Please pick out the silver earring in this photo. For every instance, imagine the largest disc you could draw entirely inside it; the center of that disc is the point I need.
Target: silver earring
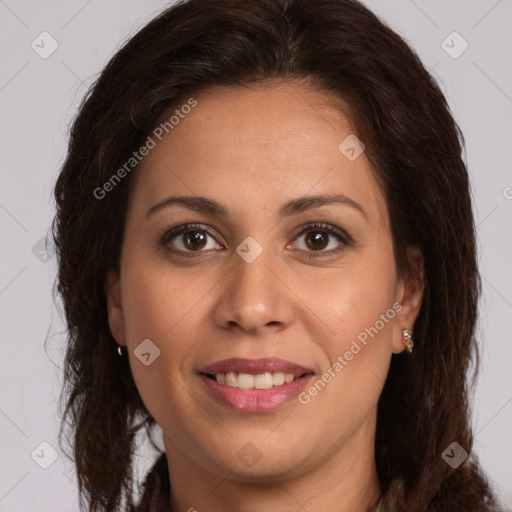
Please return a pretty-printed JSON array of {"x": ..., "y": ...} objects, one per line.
[
  {"x": 407, "y": 340},
  {"x": 119, "y": 351}
]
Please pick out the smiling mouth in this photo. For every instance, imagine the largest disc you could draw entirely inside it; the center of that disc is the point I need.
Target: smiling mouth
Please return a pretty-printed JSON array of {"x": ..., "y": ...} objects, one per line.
[
  {"x": 255, "y": 385},
  {"x": 265, "y": 380}
]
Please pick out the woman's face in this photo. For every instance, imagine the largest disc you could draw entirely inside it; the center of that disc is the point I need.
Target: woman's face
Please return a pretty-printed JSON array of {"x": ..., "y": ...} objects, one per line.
[{"x": 288, "y": 268}]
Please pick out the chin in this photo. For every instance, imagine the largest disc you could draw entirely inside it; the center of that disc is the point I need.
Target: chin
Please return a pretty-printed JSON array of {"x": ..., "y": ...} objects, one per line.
[{"x": 250, "y": 464}]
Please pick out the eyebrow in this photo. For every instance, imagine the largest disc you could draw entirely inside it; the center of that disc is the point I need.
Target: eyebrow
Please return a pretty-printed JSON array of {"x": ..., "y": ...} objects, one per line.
[{"x": 293, "y": 207}]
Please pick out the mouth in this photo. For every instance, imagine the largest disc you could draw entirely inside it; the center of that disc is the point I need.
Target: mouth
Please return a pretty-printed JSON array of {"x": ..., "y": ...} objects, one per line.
[
  {"x": 265, "y": 380},
  {"x": 255, "y": 385}
]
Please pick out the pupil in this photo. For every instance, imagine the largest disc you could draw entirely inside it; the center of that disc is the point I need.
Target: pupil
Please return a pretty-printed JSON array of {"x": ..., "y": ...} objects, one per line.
[
  {"x": 195, "y": 240},
  {"x": 319, "y": 241}
]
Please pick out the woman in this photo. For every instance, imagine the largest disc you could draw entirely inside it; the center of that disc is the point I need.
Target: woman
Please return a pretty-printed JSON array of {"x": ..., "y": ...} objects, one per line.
[{"x": 266, "y": 248}]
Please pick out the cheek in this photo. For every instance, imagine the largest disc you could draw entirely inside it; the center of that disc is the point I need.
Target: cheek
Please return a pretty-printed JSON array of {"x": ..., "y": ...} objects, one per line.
[
  {"x": 159, "y": 306},
  {"x": 159, "y": 303},
  {"x": 154, "y": 310},
  {"x": 358, "y": 345},
  {"x": 358, "y": 349},
  {"x": 360, "y": 306}
]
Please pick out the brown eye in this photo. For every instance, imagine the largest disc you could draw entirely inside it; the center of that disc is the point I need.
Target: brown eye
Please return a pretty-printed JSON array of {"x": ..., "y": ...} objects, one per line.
[
  {"x": 193, "y": 239},
  {"x": 189, "y": 238},
  {"x": 322, "y": 239},
  {"x": 317, "y": 241}
]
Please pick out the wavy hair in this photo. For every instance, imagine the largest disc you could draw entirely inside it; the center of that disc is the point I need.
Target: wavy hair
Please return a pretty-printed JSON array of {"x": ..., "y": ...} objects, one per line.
[{"x": 415, "y": 148}]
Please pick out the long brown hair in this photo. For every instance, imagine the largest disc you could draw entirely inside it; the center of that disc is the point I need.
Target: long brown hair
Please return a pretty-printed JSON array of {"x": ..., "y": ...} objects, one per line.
[{"x": 415, "y": 147}]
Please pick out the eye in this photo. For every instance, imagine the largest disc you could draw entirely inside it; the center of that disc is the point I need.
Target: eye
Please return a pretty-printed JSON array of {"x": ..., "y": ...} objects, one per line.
[
  {"x": 322, "y": 238},
  {"x": 189, "y": 238}
]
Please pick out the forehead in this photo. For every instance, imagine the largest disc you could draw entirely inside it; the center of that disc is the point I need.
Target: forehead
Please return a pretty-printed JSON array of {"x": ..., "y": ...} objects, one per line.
[{"x": 260, "y": 145}]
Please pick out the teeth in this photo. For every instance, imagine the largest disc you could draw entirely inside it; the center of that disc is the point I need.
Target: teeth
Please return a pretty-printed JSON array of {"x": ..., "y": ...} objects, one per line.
[
  {"x": 260, "y": 381},
  {"x": 231, "y": 380},
  {"x": 245, "y": 381},
  {"x": 278, "y": 378},
  {"x": 263, "y": 381}
]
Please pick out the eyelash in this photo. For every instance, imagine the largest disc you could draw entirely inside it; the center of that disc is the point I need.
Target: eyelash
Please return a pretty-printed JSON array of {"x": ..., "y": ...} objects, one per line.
[{"x": 167, "y": 235}]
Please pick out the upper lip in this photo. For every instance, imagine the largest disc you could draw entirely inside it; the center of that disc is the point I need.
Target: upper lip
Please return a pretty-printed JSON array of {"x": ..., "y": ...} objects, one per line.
[{"x": 255, "y": 366}]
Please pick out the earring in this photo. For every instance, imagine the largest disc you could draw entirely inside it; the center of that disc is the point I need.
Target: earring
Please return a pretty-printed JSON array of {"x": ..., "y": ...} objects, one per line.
[
  {"x": 119, "y": 351},
  {"x": 407, "y": 340}
]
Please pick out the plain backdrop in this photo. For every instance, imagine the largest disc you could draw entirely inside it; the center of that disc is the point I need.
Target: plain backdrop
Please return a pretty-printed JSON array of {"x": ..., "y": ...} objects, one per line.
[{"x": 39, "y": 97}]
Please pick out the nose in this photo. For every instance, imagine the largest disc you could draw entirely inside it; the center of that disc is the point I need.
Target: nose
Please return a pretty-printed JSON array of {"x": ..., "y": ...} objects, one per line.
[{"x": 254, "y": 297}]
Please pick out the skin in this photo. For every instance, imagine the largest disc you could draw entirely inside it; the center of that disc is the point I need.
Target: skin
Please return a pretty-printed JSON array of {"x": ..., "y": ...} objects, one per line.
[{"x": 252, "y": 150}]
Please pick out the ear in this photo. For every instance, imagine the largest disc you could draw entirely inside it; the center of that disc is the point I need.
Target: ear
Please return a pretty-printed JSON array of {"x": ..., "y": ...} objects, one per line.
[
  {"x": 409, "y": 295},
  {"x": 114, "y": 307}
]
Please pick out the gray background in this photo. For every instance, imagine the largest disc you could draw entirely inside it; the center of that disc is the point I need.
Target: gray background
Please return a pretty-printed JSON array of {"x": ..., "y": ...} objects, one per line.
[{"x": 38, "y": 98}]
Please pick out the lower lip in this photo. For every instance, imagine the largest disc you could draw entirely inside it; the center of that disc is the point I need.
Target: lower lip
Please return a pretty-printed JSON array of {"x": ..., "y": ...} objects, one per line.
[{"x": 256, "y": 400}]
